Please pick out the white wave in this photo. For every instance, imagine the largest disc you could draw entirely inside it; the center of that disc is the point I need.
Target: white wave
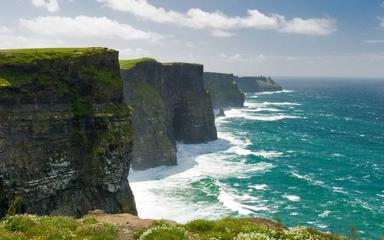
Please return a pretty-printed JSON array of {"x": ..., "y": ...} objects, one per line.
[
  {"x": 339, "y": 190},
  {"x": 324, "y": 214},
  {"x": 246, "y": 152},
  {"x": 260, "y": 187},
  {"x": 292, "y": 198},
  {"x": 261, "y": 109},
  {"x": 274, "y": 92},
  {"x": 238, "y": 113},
  {"x": 157, "y": 191},
  {"x": 308, "y": 179},
  {"x": 233, "y": 202},
  {"x": 229, "y": 202},
  {"x": 268, "y": 154},
  {"x": 234, "y": 140},
  {"x": 280, "y": 104}
]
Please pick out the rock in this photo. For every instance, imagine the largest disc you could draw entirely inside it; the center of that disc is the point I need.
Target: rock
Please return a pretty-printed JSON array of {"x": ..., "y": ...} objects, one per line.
[
  {"x": 154, "y": 145},
  {"x": 65, "y": 134},
  {"x": 224, "y": 90},
  {"x": 221, "y": 113},
  {"x": 170, "y": 104},
  {"x": 257, "y": 84}
]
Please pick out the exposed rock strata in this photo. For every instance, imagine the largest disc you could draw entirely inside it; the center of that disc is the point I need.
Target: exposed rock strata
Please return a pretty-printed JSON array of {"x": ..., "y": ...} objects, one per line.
[
  {"x": 257, "y": 84},
  {"x": 65, "y": 133},
  {"x": 223, "y": 89},
  {"x": 170, "y": 104}
]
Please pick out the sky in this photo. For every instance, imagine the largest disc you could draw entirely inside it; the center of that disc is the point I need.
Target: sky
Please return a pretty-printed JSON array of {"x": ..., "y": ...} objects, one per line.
[{"x": 307, "y": 38}]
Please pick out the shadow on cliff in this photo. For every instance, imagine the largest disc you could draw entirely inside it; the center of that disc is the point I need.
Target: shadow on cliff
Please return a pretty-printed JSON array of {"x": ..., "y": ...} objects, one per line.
[{"x": 187, "y": 155}]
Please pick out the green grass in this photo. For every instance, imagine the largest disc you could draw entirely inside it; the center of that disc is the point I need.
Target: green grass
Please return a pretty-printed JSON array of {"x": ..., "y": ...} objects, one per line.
[
  {"x": 25, "y": 56},
  {"x": 128, "y": 64},
  {"x": 230, "y": 229},
  {"x": 4, "y": 83},
  {"x": 26, "y": 227}
]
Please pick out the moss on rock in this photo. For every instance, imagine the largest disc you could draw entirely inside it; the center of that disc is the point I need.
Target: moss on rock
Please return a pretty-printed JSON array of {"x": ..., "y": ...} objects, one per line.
[{"x": 130, "y": 63}]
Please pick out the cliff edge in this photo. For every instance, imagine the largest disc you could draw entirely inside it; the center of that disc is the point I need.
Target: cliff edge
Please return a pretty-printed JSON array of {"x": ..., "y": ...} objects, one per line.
[
  {"x": 257, "y": 84},
  {"x": 223, "y": 89},
  {"x": 170, "y": 104},
  {"x": 65, "y": 133}
]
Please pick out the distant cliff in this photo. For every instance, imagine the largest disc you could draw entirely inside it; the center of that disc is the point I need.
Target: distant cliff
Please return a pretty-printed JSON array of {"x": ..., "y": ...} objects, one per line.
[
  {"x": 65, "y": 133},
  {"x": 224, "y": 90},
  {"x": 257, "y": 84},
  {"x": 170, "y": 104}
]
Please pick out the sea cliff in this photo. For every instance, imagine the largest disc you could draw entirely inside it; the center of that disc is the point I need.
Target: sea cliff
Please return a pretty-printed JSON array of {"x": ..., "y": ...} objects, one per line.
[
  {"x": 65, "y": 134},
  {"x": 170, "y": 104},
  {"x": 257, "y": 84},
  {"x": 224, "y": 90}
]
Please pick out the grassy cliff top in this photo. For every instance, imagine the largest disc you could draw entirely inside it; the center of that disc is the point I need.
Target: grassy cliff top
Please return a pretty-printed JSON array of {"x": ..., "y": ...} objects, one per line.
[
  {"x": 130, "y": 63},
  {"x": 17, "y": 56},
  {"x": 181, "y": 63},
  {"x": 101, "y": 226}
]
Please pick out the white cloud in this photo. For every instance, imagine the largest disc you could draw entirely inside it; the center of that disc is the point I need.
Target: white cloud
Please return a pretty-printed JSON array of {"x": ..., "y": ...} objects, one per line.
[
  {"x": 50, "y": 5},
  {"x": 4, "y": 30},
  {"x": 218, "y": 21},
  {"x": 84, "y": 26},
  {"x": 11, "y": 40},
  {"x": 221, "y": 33},
  {"x": 133, "y": 53},
  {"x": 318, "y": 26},
  {"x": 382, "y": 22}
]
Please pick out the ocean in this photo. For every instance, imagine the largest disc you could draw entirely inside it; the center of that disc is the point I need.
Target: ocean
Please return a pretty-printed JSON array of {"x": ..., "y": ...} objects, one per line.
[{"x": 311, "y": 155}]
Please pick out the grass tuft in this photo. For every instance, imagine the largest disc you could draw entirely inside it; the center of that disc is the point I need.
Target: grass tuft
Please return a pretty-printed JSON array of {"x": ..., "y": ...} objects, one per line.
[{"x": 128, "y": 64}]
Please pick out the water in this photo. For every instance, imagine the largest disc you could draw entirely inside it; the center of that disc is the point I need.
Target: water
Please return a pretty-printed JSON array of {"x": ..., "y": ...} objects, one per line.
[{"x": 310, "y": 156}]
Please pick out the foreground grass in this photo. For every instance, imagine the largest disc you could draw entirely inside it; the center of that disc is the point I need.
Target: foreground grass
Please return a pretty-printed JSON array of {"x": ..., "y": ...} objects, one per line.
[
  {"x": 229, "y": 229},
  {"x": 23, "y": 227},
  {"x": 28, "y": 227}
]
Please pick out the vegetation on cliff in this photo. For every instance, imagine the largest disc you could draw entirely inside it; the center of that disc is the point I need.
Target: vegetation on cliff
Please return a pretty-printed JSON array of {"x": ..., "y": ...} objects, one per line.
[
  {"x": 29, "y": 227},
  {"x": 130, "y": 63},
  {"x": 27, "y": 56},
  {"x": 110, "y": 227},
  {"x": 65, "y": 133},
  {"x": 230, "y": 229}
]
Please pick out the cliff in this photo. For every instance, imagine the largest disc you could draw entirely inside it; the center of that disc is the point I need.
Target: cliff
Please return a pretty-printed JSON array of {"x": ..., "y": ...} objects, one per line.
[
  {"x": 65, "y": 133},
  {"x": 224, "y": 90},
  {"x": 170, "y": 104},
  {"x": 257, "y": 84}
]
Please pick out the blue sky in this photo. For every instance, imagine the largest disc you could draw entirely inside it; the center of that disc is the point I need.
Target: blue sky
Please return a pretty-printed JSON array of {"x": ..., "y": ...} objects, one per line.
[{"x": 337, "y": 38}]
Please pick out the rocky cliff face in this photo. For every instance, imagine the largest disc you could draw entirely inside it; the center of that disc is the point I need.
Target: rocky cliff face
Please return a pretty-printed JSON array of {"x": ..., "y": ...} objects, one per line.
[
  {"x": 65, "y": 133},
  {"x": 257, "y": 84},
  {"x": 224, "y": 90},
  {"x": 171, "y": 101}
]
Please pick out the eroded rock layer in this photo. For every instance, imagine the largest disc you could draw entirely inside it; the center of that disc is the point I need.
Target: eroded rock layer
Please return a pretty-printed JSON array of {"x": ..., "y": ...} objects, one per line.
[
  {"x": 257, "y": 84},
  {"x": 65, "y": 133},
  {"x": 170, "y": 104},
  {"x": 223, "y": 89}
]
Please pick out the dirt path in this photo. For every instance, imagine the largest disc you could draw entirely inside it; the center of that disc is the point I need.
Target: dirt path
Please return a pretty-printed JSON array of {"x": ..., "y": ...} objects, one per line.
[{"x": 129, "y": 223}]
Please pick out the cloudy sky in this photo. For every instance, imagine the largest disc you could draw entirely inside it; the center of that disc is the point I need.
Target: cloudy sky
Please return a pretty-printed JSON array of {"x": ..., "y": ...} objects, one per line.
[{"x": 341, "y": 38}]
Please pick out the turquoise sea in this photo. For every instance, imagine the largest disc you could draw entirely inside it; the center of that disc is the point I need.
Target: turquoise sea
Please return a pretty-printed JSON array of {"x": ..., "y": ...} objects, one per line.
[{"x": 310, "y": 155}]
